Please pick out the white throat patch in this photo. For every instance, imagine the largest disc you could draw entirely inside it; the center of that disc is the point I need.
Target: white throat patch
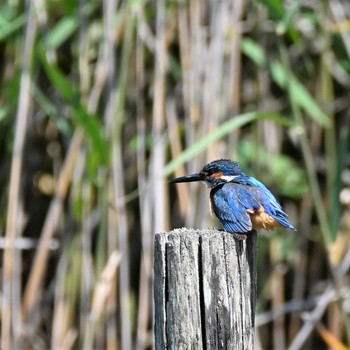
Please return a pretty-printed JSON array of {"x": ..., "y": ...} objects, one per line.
[{"x": 228, "y": 178}]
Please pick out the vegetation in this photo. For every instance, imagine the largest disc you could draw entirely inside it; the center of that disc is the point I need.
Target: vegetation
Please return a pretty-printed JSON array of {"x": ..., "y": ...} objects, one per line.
[{"x": 101, "y": 102}]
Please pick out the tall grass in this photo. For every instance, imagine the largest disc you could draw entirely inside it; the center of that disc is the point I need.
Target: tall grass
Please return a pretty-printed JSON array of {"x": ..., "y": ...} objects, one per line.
[{"x": 103, "y": 101}]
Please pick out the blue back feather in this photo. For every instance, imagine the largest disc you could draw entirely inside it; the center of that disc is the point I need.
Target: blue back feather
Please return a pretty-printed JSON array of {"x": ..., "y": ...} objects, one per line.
[{"x": 232, "y": 200}]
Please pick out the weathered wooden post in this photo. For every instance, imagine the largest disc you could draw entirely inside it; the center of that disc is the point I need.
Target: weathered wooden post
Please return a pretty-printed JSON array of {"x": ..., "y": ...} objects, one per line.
[{"x": 204, "y": 290}]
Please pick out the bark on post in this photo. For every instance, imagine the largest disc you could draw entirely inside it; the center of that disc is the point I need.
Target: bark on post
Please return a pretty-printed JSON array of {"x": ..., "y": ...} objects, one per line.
[{"x": 204, "y": 290}]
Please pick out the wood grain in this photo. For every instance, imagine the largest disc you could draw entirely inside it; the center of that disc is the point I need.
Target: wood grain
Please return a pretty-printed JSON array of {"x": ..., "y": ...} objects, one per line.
[{"x": 204, "y": 290}]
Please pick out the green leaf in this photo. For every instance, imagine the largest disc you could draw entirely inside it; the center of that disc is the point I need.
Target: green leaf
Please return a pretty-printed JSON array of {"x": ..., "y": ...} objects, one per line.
[
  {"x": 44, "y": 102},
  {"x": 286, "y": 21},
  {"x": 254, "y": 51},
  {"x": 66, "y": 88},
  {"x": 87, "y": 121},
  {"x": 221, "y": 131},
  {"x": 4, "y": 111},
  {"x": 300, "y": 94},
  {"x": 275, "y": 8},
  {"x": 61, "y": 32},
  {"x": 9, "y": 26},
  {"x": 286, "y": 80},
  {"x": 278, "y": 13},
  {"x": 94, "y": 130}
]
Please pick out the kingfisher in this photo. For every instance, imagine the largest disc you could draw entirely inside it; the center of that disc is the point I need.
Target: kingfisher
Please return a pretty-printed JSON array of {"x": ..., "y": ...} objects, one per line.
[{"x": 240, "y": 202}]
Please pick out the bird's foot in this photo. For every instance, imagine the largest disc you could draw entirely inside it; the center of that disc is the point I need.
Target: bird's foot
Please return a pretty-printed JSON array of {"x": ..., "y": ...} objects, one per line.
[{"x": 239, "y": 236}]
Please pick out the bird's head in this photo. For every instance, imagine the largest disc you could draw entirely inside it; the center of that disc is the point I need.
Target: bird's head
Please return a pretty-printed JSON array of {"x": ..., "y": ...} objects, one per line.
[{"x": 215, "y": 173}]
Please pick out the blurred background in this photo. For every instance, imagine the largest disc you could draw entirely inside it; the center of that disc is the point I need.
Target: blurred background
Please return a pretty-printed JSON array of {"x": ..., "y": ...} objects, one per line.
[{"x": 102, "y": 101}]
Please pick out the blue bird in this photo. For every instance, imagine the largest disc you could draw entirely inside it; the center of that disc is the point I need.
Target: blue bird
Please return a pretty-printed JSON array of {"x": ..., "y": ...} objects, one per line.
[{"x": 240, "y": 202}]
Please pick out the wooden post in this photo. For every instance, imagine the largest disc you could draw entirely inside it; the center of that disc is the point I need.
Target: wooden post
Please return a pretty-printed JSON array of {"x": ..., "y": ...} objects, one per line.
[{"x": 204, "y": 290}]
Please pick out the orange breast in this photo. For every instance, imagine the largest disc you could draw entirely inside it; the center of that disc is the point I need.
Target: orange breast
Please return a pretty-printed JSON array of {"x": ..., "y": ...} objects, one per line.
[{"x": 260, "y": 219}]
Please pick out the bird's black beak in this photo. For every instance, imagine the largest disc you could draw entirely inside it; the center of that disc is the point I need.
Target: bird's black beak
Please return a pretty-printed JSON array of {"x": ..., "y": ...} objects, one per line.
[{"x": 188, "y": 178}]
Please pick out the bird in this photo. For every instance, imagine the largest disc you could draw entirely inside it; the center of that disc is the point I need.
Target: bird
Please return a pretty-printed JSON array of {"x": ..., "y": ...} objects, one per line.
[{"x": 240, "y": 202}]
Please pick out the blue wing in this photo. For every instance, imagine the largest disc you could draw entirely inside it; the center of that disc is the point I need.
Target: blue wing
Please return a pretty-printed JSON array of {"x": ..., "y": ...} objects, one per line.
[
  {"x": 269, "y": 202},
  {"x": 230, "y": 203}
]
